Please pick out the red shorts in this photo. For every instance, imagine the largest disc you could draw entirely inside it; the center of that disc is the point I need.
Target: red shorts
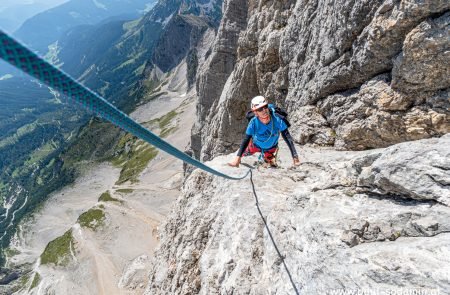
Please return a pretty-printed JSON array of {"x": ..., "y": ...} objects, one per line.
[{"x": 269, "y": 154}]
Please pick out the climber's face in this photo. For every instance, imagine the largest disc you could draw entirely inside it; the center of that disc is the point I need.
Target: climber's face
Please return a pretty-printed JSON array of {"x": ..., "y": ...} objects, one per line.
[{"x": 263, "y": 114}]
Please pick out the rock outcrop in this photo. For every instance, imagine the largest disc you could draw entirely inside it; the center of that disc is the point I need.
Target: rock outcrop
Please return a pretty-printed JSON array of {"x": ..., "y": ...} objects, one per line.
[
  {"x": 180, "y": 36},
  {"x": 370, "y": 220},
  {"x": 418, "y": 171},
  {"x": 213, "y": 76},
  {"x": 355, "y": 75}
]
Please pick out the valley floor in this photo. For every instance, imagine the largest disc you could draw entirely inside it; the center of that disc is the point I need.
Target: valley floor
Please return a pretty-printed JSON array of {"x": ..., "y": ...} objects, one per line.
[{"x": 112, "y": 258}]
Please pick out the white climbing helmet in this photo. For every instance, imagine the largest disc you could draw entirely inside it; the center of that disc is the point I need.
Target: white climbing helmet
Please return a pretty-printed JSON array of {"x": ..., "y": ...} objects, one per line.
[{"x": 258, "y": 102}]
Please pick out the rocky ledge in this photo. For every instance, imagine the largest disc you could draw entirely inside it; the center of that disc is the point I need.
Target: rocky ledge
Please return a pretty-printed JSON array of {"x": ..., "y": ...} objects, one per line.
[{"x": 376, "y": 219}]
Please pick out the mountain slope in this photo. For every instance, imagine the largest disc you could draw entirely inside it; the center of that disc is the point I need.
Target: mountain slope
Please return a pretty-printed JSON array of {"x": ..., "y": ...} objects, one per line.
[
  {"x": 12, "y": 17},
  {"x": 138, "y": 55},
  {"x": 112, "y": 210},
  {"x": 81, "y": 47},
  {"x": 355, "y": 76},
  {"x": 46, "y": 27}
]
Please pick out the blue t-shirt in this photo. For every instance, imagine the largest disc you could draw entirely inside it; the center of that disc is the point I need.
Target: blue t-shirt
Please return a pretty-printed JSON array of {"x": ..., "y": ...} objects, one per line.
[{"x": 266, "y": 136}]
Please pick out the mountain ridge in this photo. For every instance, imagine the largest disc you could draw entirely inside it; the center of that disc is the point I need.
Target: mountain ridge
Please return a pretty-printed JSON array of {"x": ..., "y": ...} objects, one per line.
[{"x": 45, "y": 28}]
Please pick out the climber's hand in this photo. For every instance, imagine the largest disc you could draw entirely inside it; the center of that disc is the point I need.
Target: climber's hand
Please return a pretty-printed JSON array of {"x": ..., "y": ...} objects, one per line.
[{"x": 235, "y": 162}]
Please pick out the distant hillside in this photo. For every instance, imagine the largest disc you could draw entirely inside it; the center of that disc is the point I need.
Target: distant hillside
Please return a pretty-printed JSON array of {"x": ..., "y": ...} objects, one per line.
[
  {"x": 12, "y": 17},
  {"x": 83, "y": 46},
  {"x": 46, "y": 27},
  {"x": 116, "y": 67}
]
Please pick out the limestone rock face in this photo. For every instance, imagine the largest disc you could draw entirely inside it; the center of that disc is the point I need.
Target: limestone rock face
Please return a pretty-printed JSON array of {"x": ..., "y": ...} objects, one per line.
[
  {"x": 356, "y": 75},
  {"x": 214, "y": 74},
  {"x": 412, "y": 170},
  {"x": 181, "y": 34},
  {"x": 238, "y": 62},
  {"x": 376, "y": 115},
  {"x": 424, "y": 64},
  {"x": 362, "y": 220}
]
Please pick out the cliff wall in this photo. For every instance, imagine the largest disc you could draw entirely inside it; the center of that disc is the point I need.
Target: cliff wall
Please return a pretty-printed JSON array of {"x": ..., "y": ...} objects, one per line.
[
  {"x": 361, "y": 76},
  {"x": 352, "y": 74}
]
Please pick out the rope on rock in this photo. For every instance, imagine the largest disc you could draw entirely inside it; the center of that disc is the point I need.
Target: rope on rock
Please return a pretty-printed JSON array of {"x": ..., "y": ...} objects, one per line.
[
  {"x": 271, "y": 237},
  {"x": 25, "y": 60}
]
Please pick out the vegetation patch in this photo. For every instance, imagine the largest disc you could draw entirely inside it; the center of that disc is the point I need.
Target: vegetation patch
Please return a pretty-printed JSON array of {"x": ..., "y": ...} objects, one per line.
[
  {"x": 58, "y": 251},
  {"x": 94, "y": 142},
  {"x": 10, "y": 252},
  {"x": 128, "y": 62},
  {"x": 106, "y": 197},
  {"x": 93, "y": 218},
  {"x": 165, "y": 132},
  {"x": 164, "y": 123},
  {"x": 153, "y": 96},
  {"x": 151, "y": 85},
  {"x": 130, "y": 25},
  {"x": 165, "y": 120},
  {"x": 123, "y": 149},
  {"x": 21, "y": 283},
  {"x": 125, "y": 190},
  {"x": 138, "y": 159},
  {"x": 26, "y": 129},
  {"x": 132, "y": 155},
  {"x": 36, "y": 281},
  {"x": 139, "y": 70},
  {"x": 41, "y": 153}
]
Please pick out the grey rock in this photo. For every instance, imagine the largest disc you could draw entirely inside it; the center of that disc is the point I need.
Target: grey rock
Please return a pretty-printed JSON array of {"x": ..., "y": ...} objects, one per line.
[
  {"x": 217, "y": 69},
  {"x": 326, "y": 59},
  {"x": 333, "y": 232},
  {"x": 355, "y": 75},
  {"x": 181, "y": 34},
  {"x": 350, "y": 238},
  {"x": 424, "y": 64},
  {"x": 311, "y": 126},
  {"x": 244, "y": 62},
  {"x": 375, "y": 115},
  {"x": 413, "y": 170}
]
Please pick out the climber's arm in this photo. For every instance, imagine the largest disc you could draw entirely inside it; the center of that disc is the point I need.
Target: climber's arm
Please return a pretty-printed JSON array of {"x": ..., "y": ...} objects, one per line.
[
  {"x": 290, "y": 143},
  {"x": 244, "y": 144}
]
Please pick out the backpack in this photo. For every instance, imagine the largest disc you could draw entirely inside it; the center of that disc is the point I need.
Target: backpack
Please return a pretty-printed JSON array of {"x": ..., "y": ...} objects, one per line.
[{"x": 273, "y": 110}]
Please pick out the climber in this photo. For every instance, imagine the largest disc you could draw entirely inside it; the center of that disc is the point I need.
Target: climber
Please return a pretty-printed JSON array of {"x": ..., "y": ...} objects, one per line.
[{"x": 262, "y": 134}]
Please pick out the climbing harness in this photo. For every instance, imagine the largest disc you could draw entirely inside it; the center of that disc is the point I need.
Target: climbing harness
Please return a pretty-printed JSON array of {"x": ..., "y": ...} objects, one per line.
[
  {"x": 22, "y": 58},
  {"x": 262, "y": 160}
]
